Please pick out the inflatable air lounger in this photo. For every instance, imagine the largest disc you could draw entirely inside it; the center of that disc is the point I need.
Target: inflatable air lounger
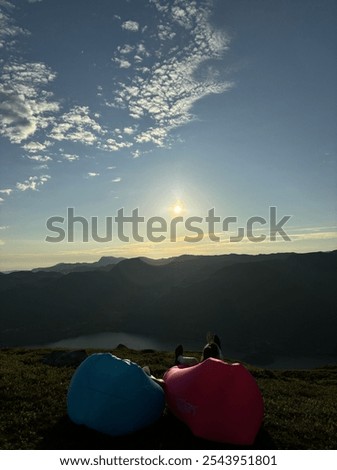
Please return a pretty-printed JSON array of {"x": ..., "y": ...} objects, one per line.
[
  {"x": 113, "y": 396},
  {"x": 218, "y": 401}
]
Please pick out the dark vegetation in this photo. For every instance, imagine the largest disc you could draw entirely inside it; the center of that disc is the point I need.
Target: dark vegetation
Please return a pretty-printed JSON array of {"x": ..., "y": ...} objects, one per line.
[
  {"x": 270, "y": 304},
  {"x": 300, "y": 408}
]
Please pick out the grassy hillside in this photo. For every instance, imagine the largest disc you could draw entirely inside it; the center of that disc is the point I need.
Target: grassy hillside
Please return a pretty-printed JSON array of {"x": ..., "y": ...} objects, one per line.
[{"x": 300, "y": 408}]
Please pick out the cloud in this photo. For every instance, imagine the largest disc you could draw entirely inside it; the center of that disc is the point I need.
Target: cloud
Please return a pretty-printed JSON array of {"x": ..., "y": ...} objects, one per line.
[
  {"x": 2, "y": 199},
  {"x": 130, "y": 25},
  {"x": 25, "y": 105},
  {"x": 44, "y": 166},
  {"x": 315, "y": 235},
  {"x": 77, "y": 126},
  {"x": 154, "y": 135},
  {"x": 168, "y": 71},
  {"x": 165, "y": 32},
  {"x": 128, "y": 130},
  {"x": 113, "y": 146},
  {"x": 4, "y": 227},
  {"x": 6, "y": 191},
  {"x": 92, "y": 174},
  {"x": 6, "y": 4},
  {"x": 70, "y": 157},
  {"x": 40, "y": 158},
  {"x": 33, "y": 183},
  {"x": 136, "y": 153},
  {"x": 161, "y": 8},
  {"x": 116, "y": 180},
  {"x": 122, "y": 63},
  {"x": 161, "y": 95},
  {"x": 8, "y": 30},
  {"x": 111, "y": 168},
  {"x": 37, "y": 146},
  {"x": 126, "y": 49}
]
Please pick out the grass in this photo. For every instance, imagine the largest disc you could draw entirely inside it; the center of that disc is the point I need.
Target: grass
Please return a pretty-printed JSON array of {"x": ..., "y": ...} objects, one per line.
[{"x": 300, "y": 408}]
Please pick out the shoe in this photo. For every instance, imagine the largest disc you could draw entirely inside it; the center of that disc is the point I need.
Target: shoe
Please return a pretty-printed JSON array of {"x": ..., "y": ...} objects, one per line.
[
  {"x": 179, "y": 351},
  {"x": 216, "y": 340}
]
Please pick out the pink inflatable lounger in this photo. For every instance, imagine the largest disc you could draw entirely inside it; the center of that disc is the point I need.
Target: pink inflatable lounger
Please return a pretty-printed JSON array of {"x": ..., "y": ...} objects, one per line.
[{"x": 218, "y": 401}]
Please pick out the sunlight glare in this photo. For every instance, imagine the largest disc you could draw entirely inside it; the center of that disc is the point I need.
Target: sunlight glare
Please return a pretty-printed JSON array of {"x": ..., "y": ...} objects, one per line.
[{"x": 178, "y": 208}]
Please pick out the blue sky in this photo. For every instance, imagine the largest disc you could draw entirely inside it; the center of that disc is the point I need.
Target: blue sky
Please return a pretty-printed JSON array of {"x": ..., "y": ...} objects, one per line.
[{"x": 141, "y": 104}]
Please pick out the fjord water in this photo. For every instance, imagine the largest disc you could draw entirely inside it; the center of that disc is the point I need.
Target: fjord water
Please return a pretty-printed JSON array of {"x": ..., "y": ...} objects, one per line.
[{"x": 110, "y": 340}]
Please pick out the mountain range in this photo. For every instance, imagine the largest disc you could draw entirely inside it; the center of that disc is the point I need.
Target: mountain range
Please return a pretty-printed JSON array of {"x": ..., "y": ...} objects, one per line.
[
  {"x": 282, "y": 303},
  {"x": 105, "y": 262}
]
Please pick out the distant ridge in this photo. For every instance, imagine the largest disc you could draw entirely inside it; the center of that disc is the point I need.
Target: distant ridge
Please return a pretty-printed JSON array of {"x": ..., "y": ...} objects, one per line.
[
  {"x": 264, "y": 305},
  {"x": 65, "y": 268}
]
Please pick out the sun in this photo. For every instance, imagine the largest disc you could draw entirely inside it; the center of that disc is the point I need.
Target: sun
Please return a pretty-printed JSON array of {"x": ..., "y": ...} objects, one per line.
[{"x": 178, "y": 208}]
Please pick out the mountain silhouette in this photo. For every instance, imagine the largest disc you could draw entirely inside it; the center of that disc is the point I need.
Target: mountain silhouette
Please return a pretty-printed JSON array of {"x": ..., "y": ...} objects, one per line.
[
  {"x": 105, "y": 262},
  {"x": 277, "y": 304}
]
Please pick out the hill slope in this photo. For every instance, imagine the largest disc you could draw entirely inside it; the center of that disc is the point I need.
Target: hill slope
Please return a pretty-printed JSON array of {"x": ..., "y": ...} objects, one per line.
[{"x": 300, "y": 408}]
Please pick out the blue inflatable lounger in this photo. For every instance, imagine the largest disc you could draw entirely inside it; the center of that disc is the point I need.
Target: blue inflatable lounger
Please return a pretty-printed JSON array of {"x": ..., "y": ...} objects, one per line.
[{"x": 113, "y": 396}]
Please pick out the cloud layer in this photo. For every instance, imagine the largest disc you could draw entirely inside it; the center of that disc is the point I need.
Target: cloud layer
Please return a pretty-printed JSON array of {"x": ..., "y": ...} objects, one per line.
[
  {"x": 164, "y": 91},
  {"x": 33, "y": 183},
  {"x": 78, "y": 126},
  {"x": 163, "y": 83},
  {"x": 25, "y": 105},
  {"x": 158, "y": 71}
]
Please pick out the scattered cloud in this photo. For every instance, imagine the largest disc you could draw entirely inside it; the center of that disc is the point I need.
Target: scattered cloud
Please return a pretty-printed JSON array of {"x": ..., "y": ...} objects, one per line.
[
  {"x": 161, "y": 8},
  {"x": 129, "y": 130},
  {"x": 111, "y": 168},
  {"x": 70, "y": 157},
  {"x": 113, "y": 146},
  {"x": 166, "y": 73},
  {"x": 25, "y": 105},
  {"x": 130, "y": 25},
  {"x": 33, "y": 183},
  {"x": 2, "y": 199},
  {"x": 77, "y": 126},
  {"x": 126, "y": 49},
  {"x": 6, "y": 4},
  {"x": 165, "y": 32},
  {"x": 4, "y": 227},
  {"x": 6, "y": 191},
  {"x": 116, "y": 180},
  {"x": 136, "y": 153},
  {"x": 122, "y": 63},
  {"x": 163, "y": 93},
  {"x": 37, "y": 146},
  {"x": 40, "y": 158},
  {"x": 44, "y": 166},
  {"x": 8, "y": 29}
]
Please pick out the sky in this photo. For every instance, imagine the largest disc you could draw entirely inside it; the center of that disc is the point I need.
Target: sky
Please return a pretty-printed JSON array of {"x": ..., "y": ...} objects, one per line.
[{"x": 171, "y": 108}]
